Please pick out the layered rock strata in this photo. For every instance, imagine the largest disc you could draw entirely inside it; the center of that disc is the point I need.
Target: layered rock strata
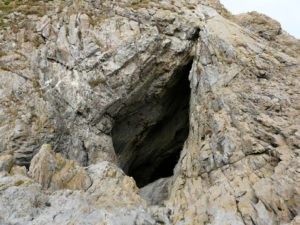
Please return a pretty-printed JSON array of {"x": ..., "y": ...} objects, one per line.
[{"x": 91, "y": 94}]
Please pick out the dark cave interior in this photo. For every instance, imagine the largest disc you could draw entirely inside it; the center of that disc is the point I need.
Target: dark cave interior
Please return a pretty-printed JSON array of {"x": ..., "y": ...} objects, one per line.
[{"x": 149, "y": 136}]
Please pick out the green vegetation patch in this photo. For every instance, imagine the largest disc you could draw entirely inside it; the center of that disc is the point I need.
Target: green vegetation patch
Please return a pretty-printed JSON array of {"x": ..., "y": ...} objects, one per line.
[
  {"x": 96, "y": 82},
  {"x": 26, "y": 7}
]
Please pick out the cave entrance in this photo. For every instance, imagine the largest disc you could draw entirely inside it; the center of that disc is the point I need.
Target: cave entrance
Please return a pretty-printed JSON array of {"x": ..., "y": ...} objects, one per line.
[{"x": 148, "y": 135}]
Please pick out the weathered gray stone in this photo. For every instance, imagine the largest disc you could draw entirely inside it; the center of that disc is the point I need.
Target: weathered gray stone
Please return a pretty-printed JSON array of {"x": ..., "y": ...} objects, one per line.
[
  {"x": 90, "y": 78},
  {"x": 6, "y": 163},
  {"x": 156, "y": 192}
]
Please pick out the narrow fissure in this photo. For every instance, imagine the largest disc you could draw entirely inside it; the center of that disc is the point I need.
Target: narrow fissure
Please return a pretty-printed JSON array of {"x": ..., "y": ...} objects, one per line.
[{"x": 149, "y": 135}]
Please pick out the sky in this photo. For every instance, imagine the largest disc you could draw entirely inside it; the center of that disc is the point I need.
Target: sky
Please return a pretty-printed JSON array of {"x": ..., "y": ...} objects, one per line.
[{"x": 287, "y": 12}]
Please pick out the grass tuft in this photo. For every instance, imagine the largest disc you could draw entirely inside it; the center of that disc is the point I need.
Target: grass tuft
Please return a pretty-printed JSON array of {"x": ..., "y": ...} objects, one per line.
[{"x": 96, "y": 82}]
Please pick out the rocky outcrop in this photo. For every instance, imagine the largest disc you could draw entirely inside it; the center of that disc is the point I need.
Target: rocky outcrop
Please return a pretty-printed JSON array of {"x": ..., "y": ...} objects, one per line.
[
  {"x": 260, "y": 24},
  {"x": 54, "y": 172},
  {"x": 112, "y": 198},
  {"x": 93, "y": 92}
]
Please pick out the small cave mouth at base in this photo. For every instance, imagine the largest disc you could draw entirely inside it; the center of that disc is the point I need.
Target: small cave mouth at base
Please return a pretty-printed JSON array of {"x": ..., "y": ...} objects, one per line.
[{"x": 148, "y": 136}]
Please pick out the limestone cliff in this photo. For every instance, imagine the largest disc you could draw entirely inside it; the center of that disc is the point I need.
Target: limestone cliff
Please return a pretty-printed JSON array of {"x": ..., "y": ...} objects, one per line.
[{"x": 147, "y": 112}]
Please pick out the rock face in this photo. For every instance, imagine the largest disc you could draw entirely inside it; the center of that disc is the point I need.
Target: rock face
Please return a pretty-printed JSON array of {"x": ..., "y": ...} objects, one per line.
[
  {"x": 94, "y": 92},
  {"x": 54, "y": 172}
]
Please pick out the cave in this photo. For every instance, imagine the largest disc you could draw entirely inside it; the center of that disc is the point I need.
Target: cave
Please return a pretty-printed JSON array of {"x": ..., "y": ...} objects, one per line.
[{"x": 148, "y": 135}]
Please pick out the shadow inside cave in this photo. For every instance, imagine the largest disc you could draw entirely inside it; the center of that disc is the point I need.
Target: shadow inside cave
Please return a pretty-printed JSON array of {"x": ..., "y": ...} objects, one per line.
[{"x": 148, "y": 136}]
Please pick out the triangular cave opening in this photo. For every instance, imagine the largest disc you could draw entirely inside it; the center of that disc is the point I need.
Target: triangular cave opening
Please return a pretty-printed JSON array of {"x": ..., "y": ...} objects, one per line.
[{"x": 149, "y": 136}]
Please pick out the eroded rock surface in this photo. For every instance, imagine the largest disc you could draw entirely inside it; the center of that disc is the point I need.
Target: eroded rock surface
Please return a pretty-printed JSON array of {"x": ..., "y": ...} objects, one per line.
[
  {"x": 74, "y": 73},
  {"x": 54, "y": 172}
]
